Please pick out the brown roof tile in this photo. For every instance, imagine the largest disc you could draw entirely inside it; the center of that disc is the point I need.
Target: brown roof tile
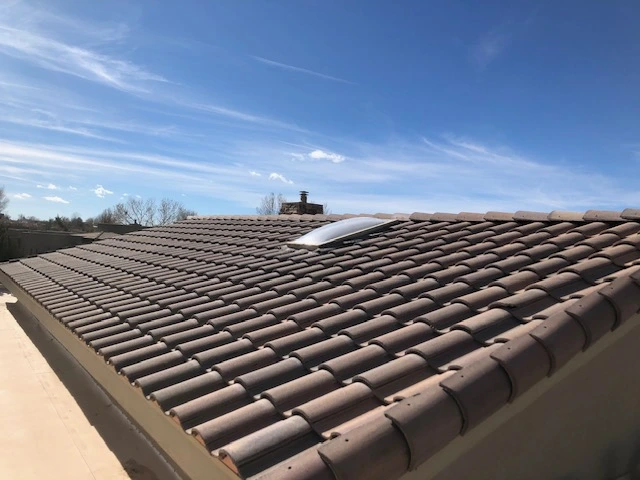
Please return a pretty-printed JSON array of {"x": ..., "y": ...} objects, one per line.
[
  {"x": 398, "y": 341},
  {"x": 292, "y": 394},
  {"x": 269, "y": 446},
  {"x": 362, "y": 332},
  {"x": 239, "y": 423},
  {"x": 327, "y": 413},
  {"x": 333, "y": 324}
]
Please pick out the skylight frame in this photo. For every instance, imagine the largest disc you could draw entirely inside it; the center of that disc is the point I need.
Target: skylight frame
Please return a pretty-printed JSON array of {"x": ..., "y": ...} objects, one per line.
[{"x": 353, "y": 227}]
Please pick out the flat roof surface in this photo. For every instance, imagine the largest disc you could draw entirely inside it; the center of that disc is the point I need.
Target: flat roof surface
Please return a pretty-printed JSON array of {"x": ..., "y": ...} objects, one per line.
[{"x": 56, "y": 423}]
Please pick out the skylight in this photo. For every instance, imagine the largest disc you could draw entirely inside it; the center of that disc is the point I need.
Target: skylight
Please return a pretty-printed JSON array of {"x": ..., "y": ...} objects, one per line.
[{"x": 340, "y": 231}]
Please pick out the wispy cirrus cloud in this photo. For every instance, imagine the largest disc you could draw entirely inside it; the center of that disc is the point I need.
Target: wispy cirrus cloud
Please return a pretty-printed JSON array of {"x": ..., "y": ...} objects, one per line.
[
  {"x": 242, "y": 116},
  {"x": 495, "y": 43},
  {"x": 49, "y": 53},
  {"x": 489, "y": 47},
  {"x": 29, "y": 121},
  {"x": 21, "y": 196},
  {"x": 56, "y": 199},
  {"x": 306, "y": 71},
  {"x": 62, "y": 43}
]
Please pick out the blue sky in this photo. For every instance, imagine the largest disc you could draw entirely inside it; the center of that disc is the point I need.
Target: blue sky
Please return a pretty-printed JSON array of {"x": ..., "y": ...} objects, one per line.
[{"x": 371, "y": 106}]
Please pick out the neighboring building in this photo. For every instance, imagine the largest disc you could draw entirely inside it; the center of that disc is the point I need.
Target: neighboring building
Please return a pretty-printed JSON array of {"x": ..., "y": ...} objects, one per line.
[
  {"x": 303, "y": 207},
  {"x": 446, "y": 346},
  {"x": 26, "y": 242}
]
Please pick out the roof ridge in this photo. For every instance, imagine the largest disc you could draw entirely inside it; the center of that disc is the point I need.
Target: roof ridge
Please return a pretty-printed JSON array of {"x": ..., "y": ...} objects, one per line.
[
  {"x": 628, "y": 214},
  {"x": 531, "y": 216}
]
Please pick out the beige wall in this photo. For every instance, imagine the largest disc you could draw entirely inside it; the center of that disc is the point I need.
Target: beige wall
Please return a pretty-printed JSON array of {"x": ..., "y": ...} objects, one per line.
[{"x": 587, "y": 426}]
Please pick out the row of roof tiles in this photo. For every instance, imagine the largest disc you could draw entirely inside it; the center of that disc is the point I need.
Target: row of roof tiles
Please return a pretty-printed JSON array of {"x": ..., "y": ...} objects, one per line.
[{"x": 519, "y": 216}]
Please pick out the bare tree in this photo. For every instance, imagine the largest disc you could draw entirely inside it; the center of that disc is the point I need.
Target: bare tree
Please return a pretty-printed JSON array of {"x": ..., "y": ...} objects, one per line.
[
  {"x": 3, "y": 199},
  {"x": 106, "y": 216},
  {"x": 270, "y": 204},
  {"x": 170, "y": 211},
  {"x": 136, "y": 210},
  {"x": 145, "y": 212}
]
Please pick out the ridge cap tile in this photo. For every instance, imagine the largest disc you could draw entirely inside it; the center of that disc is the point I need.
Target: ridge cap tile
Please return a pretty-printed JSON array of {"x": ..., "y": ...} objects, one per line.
[
  {"x": 631, "y": 214},
  {"x": 498, "y": 216},
  {"x": 420, "y": 217},
  {"x": 471, "y": 217},
  {"x": 566, "y": 216},
  {"x": 479, "y": 389},
  {"x": 526, "y": 362},
  {"x": 375, "y": 450},
  {"x": 428, "y": 421},
  {"x": 530, "y": 216},
  {"x": 562, "y": 336},
  {"x": 624, "y": 296},
  {"x": 602, "y": 216},
  {"x": 596, "y": 315}
]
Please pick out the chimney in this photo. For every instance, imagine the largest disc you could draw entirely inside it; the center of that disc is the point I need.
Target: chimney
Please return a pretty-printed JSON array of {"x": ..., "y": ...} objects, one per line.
[{"x": 302, "y": 207}]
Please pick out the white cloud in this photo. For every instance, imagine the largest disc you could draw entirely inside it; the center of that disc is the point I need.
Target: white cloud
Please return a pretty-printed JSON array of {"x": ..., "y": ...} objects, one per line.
[
  {"x": 49, "y": 186},
  {"x": 125, "y": 194},
  {"x": 319, "y": 154},
  {"x": 101, "y": 192},
  {"x": 55, "y": 200},
  {"x": 73, "y": 189},
  {"x": 21, "y": 196},
  {"x": 291, "y": 68},
  {"x": 255, "y": 174},
  {"x": 322, "y": 155},
  {"x": 278, "y": 176}
]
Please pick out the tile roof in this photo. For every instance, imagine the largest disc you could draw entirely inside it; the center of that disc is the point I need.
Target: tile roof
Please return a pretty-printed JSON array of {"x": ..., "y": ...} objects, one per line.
[{"x": 357, "y": 361}]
